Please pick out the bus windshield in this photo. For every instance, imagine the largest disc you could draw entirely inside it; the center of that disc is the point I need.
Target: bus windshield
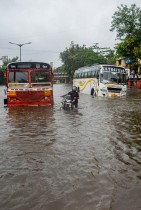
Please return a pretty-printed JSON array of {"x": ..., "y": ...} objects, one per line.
[
  {"x": 18, "y": 77},
  {"x": 40, "y": 77},
  {"x": 113, "y": 77}
]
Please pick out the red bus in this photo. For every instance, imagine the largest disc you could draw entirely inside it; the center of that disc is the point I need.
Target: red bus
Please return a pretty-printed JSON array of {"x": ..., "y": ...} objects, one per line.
[{"x": 29, "y": 84}]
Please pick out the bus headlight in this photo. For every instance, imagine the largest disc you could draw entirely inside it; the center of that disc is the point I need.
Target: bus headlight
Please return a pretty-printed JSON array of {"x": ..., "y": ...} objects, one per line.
[
  {"x": 48, "y": 92},
  {"x": 11, "y": 93}
]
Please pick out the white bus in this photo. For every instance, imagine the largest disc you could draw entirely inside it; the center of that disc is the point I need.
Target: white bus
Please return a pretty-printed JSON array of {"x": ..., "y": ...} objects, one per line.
[{"x": 105, "y": 80}]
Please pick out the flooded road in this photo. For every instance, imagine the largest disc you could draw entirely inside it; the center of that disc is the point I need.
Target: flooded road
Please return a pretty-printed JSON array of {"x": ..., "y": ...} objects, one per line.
[{"x": 85, "y": 159}]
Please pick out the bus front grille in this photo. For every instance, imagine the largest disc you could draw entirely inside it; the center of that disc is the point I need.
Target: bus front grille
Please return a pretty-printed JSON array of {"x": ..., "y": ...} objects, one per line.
[
  {"x": 30, "y": 95},
  {"x": 114, "y": 90}
]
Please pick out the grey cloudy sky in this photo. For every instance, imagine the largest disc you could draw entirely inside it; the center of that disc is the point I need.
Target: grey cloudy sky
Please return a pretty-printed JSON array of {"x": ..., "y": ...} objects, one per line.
[{"x": 52, "y": 24}]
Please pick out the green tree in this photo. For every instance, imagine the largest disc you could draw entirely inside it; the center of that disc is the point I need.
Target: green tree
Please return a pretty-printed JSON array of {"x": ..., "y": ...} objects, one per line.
[
  {"x": 130, "y": 48},
  {"x": 79, "y": 56},
  {"x": 3, "y": 68},
  {"x": 127, "y": 23},
  {"x": 10, "y": 61},
  {"x": 109, "y": 55}
]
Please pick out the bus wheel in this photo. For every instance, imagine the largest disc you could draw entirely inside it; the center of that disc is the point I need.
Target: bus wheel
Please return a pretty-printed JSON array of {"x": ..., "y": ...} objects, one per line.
[{"x": 92, "y": 92}]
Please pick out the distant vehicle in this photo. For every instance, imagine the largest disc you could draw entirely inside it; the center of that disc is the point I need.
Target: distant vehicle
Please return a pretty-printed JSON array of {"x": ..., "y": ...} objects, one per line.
[
  {"x": 29, "y": 84},
  {"x": 102, "y": 80}
]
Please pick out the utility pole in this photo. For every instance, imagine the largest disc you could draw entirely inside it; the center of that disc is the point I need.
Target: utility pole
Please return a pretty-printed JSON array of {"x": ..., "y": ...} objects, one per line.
[{"x": 20, "y": 45}]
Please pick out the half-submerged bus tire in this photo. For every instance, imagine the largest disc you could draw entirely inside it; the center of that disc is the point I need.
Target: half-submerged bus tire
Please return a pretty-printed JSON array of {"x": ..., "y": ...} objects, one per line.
[
  {"x": 5, "y": 101},
  {"x": 92, "y": 92}
]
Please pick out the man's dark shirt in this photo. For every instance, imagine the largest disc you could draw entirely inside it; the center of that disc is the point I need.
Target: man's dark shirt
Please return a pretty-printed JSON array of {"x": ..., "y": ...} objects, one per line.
[{"x": 74, "y": 94}]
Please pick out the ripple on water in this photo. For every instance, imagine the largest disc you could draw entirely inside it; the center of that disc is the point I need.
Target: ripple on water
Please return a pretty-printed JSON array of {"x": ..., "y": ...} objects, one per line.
[{"x": 84, "y": 159}]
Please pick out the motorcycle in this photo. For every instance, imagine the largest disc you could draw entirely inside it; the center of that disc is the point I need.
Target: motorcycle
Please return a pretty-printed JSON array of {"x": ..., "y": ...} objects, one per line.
[{"x": 67, "y": 103}]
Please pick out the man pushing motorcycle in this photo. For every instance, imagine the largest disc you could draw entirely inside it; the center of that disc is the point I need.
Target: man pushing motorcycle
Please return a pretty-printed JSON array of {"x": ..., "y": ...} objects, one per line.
[{"x": 74, "y": 96}]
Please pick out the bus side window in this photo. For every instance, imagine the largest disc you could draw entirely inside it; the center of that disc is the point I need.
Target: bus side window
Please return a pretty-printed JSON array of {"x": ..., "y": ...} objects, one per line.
[
  {"x": 94, "y": 74},
  {"x": 83, "y": 75},
  {"x": 97, "y": 74},
  {"x": 101, "y": 77},
  {"x": 11, "y": 77},
  {"x": 89, "y": 74}
]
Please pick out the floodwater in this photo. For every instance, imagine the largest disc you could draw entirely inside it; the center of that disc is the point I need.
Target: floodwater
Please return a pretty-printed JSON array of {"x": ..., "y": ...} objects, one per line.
[{"x": 85, "y": 159}]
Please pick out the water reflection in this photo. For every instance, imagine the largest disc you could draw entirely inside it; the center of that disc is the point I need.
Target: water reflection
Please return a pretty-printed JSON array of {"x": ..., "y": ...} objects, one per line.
[
  {"x": 85, "y": 159},
  {"x": 127, "y": 134},
  {"x": 31, "y": 122}
]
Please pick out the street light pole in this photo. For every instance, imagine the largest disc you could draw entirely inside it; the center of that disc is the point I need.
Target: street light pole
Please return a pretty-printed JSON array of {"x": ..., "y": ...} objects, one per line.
[{"x": 20, "y": 45}]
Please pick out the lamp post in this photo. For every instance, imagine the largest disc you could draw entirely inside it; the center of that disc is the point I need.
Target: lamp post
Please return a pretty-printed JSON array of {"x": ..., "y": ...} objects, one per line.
[{"x": 20, "y": 45}]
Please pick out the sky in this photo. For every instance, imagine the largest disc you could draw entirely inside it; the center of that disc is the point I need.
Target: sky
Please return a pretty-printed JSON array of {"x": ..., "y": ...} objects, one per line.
[{"x": 51, "y": 25}]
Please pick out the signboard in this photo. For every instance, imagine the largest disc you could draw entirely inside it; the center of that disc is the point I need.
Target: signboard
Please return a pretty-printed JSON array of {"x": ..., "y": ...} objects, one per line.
[
  {"x": 29, "y": 65},
  {"x": 128, "y": 60},
  {"x": 114, "y": 69}
]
